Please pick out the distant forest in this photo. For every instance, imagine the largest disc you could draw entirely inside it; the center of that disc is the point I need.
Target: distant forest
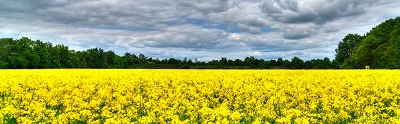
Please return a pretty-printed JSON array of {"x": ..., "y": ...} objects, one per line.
[
  {"x": 25, "y": 53},
  {"x": 380, "y": 48}
]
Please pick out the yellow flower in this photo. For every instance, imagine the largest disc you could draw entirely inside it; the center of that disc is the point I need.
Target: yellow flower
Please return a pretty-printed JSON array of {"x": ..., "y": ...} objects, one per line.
[
  {"x": 235, "y": 116},
  {"x": 205, "y": 96}
]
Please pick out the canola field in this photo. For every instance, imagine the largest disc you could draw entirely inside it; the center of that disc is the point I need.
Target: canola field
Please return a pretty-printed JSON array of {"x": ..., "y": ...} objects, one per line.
[{"x": 199, "y": 96}]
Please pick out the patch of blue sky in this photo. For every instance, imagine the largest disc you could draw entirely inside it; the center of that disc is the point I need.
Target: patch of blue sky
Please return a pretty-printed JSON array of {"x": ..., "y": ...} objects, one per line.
[
  {"x": 170, "y": 23},
  {"x": 266, "y": 30},
  {"x": 11, "y": 35},
  {"x": 212, "y": 25}
]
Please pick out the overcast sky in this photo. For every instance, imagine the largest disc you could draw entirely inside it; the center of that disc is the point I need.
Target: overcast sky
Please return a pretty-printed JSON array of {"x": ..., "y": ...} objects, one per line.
[{"x": 203, "y": 29}]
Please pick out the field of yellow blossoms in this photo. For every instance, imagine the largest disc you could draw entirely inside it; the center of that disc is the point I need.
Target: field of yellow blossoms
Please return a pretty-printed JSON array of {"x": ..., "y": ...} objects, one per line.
[{"x": 199, "y": 96}]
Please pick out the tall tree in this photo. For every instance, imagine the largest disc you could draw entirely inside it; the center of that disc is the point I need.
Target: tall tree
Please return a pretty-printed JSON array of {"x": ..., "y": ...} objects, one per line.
[
  {"x": 347, "y": 47},
  {"x": 95, "y": 58},
  {"x": 110, "y": 59},
  {"x": 43, "y": 53}
]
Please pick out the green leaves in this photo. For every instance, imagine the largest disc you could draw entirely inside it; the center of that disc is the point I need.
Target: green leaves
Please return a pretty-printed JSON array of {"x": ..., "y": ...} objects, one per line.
[{"x": 380, "y": 48}]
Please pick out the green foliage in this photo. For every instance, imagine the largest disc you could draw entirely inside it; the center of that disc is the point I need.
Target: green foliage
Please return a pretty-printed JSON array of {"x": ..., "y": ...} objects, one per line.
[
  {"x": 26, "y": 53},
  {"x": 8, "y": 119},
  {"x": 347, "y": 47},
  {"x": 298, "y": 63},
  {"x": 379, "y": 48}
]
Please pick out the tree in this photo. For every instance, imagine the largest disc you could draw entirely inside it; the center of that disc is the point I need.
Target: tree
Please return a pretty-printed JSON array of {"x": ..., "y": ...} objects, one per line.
[
  {"x": 238, "y": 62},
  {"x": 287, "y": 64},
  {"x": 20, "y": 53},
  {"x": 95, "y": 58},
  {"x": 223, "y": 61},
  {"x": 63, "y": 56},
  {"x": 279, "y": 62},
  {"x": 54, "y": 55},
  {"x": 110, "y": 59},
  {"x": 4, "y": 51},
  {"x": 347, "y": 47},
  {"x": 74, "y": 59},
  {"x": 251, "y": 61},
  {"x": 43, "y": 54},
  {"x": 363, "y": 56},
  {"x": 83, "y": 59},
  {"x": 231, "y": 62},
  {"x": 326, "y": 63},
  {"x": 379, "y": 48},
  {"x": 190, "y": 62},
  {"x": 297, "y": 63},
  {"x": 273, "y": 63},
  {"x": 141, "y": 56},
  {"x": 173, "y": 61},
  {"x": 335, "y": 65},
  {"x": 308, "y": 65}
]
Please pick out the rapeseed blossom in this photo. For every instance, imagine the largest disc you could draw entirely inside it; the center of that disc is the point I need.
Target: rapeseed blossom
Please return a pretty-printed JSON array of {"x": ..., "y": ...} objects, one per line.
[{"x": 199, "y": 96}]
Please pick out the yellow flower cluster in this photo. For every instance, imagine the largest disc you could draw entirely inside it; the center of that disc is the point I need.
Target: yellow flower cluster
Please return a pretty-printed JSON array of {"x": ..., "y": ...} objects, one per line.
[{"x": 199, "y": 96}]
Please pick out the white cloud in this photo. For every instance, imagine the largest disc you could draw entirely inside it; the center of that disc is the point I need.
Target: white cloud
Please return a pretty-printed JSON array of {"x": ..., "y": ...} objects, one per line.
[{"x": 267, "y": 29}]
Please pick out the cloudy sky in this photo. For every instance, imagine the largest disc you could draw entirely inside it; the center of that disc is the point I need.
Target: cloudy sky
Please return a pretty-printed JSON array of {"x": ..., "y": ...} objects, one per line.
[{"x": 203, "y": 29}]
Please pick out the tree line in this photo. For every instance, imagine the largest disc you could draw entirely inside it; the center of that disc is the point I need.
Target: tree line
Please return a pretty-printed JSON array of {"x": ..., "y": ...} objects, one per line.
[
  {"x": 25, "y": 53},
  {"x": 379, "y": 48}
]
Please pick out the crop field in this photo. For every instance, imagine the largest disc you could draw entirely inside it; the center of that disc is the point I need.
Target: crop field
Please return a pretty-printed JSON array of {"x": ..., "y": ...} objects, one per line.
[{"x": 199, "y": 96}]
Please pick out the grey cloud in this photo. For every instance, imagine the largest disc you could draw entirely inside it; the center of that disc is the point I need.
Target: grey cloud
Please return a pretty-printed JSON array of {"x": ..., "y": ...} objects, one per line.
[
  {"x": 204, "y": 6},
  {"x": 331, "y": 27},
  {"x": 270, "y": 43},
  {"x": 288, "y": 4},
  {"x": 92, "y": 13},
  {"x": 276, "y": 7},
  {"x": 186, "y": 36},
  {"x": 159, "y": 28},
  {"x": 297, "y": 33},
  {"x": 247, "y": 28},
  {"x": 251, "y": 24},
  {"x": 319, "y": 12},
  {"x": 271, "y": 46},
  {"x": 249, "y": 21}
]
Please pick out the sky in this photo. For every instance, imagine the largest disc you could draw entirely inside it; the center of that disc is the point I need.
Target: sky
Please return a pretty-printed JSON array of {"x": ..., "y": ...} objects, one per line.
[{"x": 202, "y": 29}]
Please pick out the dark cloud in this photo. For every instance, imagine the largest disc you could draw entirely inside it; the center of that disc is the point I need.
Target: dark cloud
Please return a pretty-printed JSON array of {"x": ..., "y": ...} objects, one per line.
[
  {"x": 295, "y": 35},
  {"x": 298, "y": 31},
  {"x": 276, "y": 7},
  {"x": 93, "y": 13},
  {"x": 204, "y": 6},
  {"x": 319, "y": 12},
  {"x": 204, "y": 29},
  {"x": 185, "y": 36}
]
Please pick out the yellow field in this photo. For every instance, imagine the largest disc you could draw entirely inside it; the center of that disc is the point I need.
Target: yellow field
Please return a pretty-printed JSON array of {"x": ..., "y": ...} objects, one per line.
[{"x": 191, "y": 96}]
